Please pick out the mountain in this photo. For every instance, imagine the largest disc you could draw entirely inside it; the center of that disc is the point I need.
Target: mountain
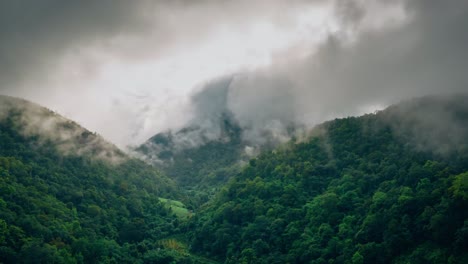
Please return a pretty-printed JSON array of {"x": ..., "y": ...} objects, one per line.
[
  {"x": 196, "y": 160},
  {"x": 389, "y": 187},
  {"x": 202, "y": 160},
  {"x": 69, "y": 196}
]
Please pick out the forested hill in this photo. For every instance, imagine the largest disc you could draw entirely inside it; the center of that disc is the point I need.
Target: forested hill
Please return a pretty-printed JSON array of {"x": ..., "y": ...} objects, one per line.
[
  {"x": 200, "y": 160},
  {"x": 390, "y": 187},
  {"x": 196, "y": 160},
  {"x": 46, "y": 127},
  {"x": 68, "y": 196}
]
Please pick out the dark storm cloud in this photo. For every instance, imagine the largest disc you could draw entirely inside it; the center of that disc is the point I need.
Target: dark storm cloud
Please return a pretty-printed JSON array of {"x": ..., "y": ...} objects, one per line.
[{"x": 33, "y": 34}]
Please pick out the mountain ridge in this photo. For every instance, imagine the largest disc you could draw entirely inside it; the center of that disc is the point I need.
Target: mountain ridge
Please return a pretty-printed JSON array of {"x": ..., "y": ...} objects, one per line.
[{"x": 69, "y": 137}]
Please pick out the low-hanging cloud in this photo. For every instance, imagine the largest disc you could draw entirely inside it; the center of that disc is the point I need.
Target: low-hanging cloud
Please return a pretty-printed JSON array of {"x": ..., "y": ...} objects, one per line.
[
  {"x": 438, "y": 124},
  {"x": 50, "y": 129},
  {"x": 51, "y": 51},
  {"x": 370, "y": 66},
  {"x": 378, "y": 53}
]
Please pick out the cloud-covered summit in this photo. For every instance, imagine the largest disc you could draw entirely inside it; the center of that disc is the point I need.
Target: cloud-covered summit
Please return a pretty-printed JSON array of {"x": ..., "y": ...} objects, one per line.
[
  {"x": 424, "y": 55},
  {"x": 118, "y": 66}
]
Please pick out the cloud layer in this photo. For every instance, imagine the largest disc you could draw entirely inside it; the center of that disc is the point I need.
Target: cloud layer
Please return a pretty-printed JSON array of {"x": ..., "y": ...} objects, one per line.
[
  {"x": 364, "y": 55},
  {"x": 361, "y": 68}
]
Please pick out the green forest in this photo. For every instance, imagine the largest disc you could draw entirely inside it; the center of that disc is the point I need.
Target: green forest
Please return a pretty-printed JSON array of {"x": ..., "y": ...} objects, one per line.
[
  {"x": 352, "y": 195},
  {"x": 57, "y": 208},
  {"x": 379, "y": 188}
]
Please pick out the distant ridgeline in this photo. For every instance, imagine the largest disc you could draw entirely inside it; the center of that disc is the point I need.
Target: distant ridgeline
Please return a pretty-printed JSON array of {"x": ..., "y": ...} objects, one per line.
[
  {"x": 390, "y": 187},
  {"x": 68, "y": 196}
]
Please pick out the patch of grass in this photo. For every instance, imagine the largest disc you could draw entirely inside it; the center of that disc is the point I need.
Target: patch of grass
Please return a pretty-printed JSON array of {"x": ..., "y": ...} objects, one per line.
[
  {"x": 177, "y": 207},
  {"x": 172, "y": 202}
]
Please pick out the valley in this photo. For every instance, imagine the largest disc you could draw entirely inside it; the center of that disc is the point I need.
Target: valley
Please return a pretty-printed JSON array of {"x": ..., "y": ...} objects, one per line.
[{"x": 388, "y": 187}]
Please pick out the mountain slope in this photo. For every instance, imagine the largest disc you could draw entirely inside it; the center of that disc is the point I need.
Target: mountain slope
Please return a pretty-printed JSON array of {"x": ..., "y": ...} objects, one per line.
[
  {"x": 389, "y": 187},
  {"x": 32, "y": 120},
  {"x": 68, "y": 196},
  {"x": 200, "y": 160},
  {"x": 190, "y": 162}
]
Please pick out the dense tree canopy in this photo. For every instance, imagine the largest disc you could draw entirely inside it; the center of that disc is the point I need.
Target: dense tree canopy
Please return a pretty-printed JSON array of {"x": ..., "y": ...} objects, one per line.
[
  {"x": 389, "y": 187},
  {"x": 356, "y": 191},
  {"x": 58, "y": 207}
]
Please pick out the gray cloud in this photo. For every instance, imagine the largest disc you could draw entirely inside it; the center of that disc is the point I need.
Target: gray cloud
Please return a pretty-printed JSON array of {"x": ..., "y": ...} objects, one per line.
[
  {"x": 264, "y": 105},
  {"x": 35, "y": 34},
  {"x": 209, "y": 108},
  {"x": 437, "y": 124},
  {"x": 363, "y": 63},
  {"x": 36, "y": 37},
  {"x": 425, "y": 54}
]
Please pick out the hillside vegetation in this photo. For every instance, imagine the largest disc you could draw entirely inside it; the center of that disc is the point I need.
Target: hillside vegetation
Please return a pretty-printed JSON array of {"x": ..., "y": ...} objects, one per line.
[
  {"x": 68, "y": 196},
  {"x": 390, "y": 187},
  {"x": 201, "y": 163}
]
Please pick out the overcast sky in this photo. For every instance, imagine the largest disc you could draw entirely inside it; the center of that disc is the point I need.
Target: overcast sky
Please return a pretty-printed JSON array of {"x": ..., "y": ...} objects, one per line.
[{"x": 130, "y": 69}]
